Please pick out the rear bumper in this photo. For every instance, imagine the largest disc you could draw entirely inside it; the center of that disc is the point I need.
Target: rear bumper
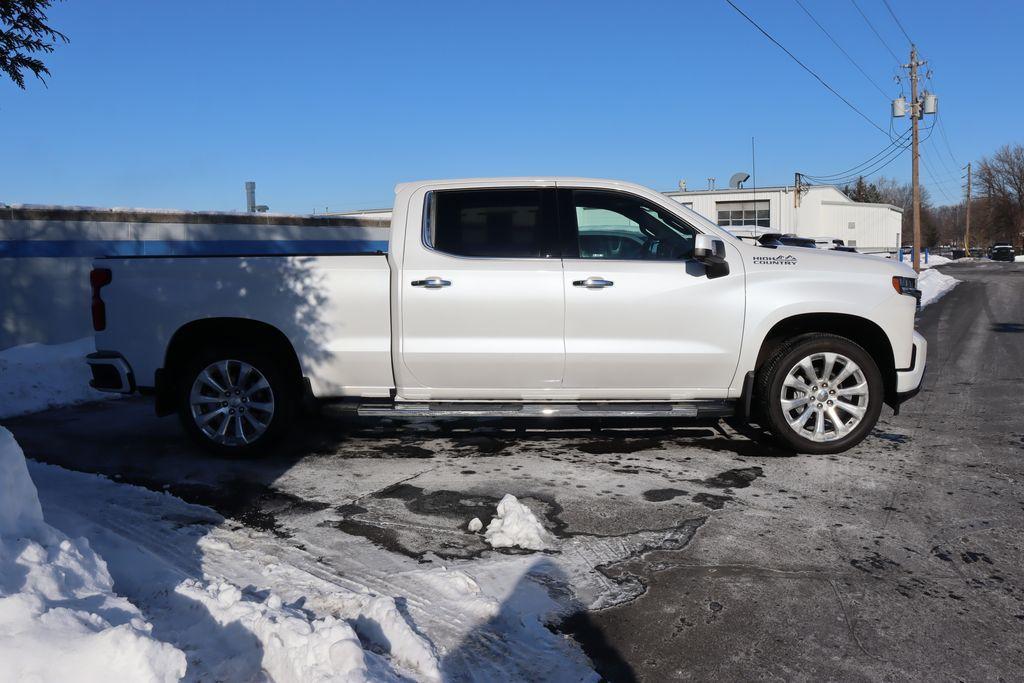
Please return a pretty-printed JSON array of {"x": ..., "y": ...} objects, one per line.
[
  {"x": 908, "y": 380},
  {"x": 110, "y": 372}
]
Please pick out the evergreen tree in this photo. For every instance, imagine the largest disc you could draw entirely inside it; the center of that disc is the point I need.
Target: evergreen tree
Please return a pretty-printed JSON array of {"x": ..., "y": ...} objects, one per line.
[
  {"x": 862, "y": 191},
  {"x": 24, "y": 33}
]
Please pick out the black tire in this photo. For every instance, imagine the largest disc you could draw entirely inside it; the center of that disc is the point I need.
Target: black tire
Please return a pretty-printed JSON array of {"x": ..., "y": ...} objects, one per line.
[
  {"x": 772, "y": 376},
  {"x": 282, "y": 390}
]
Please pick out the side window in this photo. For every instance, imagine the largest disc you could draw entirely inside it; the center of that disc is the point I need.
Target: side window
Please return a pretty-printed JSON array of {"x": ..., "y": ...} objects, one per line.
[
  {"x": 613, "y": 225},
  {"x": 492, "y": 223}
]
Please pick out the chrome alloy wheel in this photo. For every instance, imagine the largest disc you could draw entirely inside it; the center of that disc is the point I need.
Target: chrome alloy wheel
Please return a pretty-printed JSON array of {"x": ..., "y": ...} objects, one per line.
[
  {"x": 231, "y": 402},
  {"x": 824, "y": 396}
]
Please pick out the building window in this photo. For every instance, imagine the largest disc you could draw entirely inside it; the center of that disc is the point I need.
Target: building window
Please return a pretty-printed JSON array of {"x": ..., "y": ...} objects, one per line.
[{"x": 738, "y": 214}]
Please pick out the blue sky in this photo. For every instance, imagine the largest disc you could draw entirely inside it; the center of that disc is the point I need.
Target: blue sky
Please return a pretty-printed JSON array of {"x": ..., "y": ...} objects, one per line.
[{"x": 329, "y": 104}]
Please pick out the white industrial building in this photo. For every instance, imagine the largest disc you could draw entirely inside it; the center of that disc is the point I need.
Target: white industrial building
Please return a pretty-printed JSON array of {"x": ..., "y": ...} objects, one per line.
[{"x": 821, "y": 212}]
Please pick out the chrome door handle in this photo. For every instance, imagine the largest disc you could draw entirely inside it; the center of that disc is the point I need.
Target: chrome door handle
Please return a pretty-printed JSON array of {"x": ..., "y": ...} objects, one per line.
[
  {"x": 432, "y": 283},
  {"x": 593, "y": 283}
]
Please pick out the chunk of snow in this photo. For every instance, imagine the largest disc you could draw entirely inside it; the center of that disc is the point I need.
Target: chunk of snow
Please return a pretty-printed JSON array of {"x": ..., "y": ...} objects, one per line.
[
  {"x": 934, "y": 285},
  {"x": 376, "y": 619},
  {"x": 1019, "y": 259},
  {"x": 35, "y": 377},
  {"x": 60, "y": 619},
  {"x": 459, "y": 588},
  {"x": 475, "y": 524},
  {"x": 516, "y": 525}
]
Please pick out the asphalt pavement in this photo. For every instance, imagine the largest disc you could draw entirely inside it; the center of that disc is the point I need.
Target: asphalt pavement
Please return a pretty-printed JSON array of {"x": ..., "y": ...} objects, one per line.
[{"x": 718, "y": 556}]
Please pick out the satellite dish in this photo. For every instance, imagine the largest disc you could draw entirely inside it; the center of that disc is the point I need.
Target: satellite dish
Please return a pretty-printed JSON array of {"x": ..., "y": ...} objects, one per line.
[{"x": 737, "y": 180}]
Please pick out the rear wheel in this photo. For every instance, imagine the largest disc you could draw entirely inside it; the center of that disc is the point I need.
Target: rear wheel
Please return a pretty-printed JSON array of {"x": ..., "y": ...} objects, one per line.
[
  {"x": 820, "y": 393},
  {"x": 235, "y": 401}
]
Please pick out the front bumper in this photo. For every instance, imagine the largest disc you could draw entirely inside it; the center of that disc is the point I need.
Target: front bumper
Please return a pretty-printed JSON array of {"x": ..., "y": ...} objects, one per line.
[
  {"x": 110, "y": 372},
  {"x": 908, "y": 380}
]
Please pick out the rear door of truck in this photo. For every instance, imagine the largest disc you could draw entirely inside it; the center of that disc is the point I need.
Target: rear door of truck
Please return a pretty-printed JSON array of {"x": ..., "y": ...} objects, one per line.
[{"x": 481, "y": 294}]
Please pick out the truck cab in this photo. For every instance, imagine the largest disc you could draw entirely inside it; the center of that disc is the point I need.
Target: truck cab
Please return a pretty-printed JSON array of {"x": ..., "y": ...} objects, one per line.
[{"x": 519, "y": 296}]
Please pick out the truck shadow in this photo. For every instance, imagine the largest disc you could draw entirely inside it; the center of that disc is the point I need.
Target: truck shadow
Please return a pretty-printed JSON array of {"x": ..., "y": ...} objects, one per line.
[
  {"x": 347, "y": 435},
  {"x": 540, "y": 604}
]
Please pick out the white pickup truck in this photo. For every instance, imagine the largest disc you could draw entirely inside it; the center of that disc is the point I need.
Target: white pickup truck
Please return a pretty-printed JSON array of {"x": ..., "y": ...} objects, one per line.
[{"x": 518, "y": 297}]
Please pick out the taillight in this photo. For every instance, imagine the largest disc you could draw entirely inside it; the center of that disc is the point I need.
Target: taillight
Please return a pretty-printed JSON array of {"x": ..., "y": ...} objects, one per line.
[{"x": 99, "y": 278}]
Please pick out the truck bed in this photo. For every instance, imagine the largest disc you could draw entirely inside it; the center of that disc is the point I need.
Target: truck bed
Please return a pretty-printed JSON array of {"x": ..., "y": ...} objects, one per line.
[{"x": 335, "y": 311}]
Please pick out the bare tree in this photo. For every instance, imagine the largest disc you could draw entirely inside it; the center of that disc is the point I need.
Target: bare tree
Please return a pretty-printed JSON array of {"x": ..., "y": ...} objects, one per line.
[
  {"x": 901, "y": 194},
  {"x": 24, "y": 33},
  {"x": 1001, "y": 182}
]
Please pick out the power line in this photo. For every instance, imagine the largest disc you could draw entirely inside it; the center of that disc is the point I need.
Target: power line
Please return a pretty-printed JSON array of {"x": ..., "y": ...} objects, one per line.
[
  {"x": 949, "y": 150},
  {"x": 898, "y": 23},
  {"x": 875, "y": 31},
  {"x": 805, "y": 67},
  {"x": 889, "y": 156},
  {"x": 840, "y": 48},
  {"x": 942, "y": 161},
  {"x": 902, "y": 139},
  {"x": 867, "y": 172},
  {"x": 935, "y": 183}
]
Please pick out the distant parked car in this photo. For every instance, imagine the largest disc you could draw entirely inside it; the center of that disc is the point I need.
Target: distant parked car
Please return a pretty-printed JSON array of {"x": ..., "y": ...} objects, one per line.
[
  {"x": 959, "y": 253},
  {"x": 774, "y": 239},
  {"x": 1001, "y": 252}
]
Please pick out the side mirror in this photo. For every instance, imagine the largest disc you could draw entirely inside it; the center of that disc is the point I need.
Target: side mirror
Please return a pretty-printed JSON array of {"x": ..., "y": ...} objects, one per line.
[{"x": 711, "y": 252}]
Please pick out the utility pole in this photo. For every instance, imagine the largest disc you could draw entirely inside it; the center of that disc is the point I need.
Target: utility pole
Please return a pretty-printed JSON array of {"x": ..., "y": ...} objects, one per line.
[
  {"x": 967, "y": 229},
  {"x": 918, "y": 108},
  {"x": 914, "y": 116}
]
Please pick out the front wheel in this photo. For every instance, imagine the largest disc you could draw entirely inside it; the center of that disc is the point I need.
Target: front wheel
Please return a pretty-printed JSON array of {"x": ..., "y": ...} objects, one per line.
[
  {"x": 820, "y": 393},
  {"x": 235, "y": 402}
]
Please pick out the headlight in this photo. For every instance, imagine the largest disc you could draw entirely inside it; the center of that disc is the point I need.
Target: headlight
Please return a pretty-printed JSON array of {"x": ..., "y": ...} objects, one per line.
[
  {"x": 904, "y": 285},
  {"x": 908, "y": 286}
]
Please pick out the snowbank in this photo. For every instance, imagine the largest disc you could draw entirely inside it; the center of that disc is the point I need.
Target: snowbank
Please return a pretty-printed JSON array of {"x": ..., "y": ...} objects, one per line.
[
  {"x": 934, "y": 285},
  {"x": 61, "y": 620},
  {"x": 935, "y": 260},
  {"x": 20, "y": 511},
  {"x": 35, "y": 377},
  {"x": 59, "y": 617},
  {"x": 516, "y": 525},
  {"x": 1019, "y": 259}
]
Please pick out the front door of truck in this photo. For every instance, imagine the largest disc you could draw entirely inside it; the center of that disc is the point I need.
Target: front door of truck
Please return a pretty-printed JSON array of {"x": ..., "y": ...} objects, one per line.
[
  {"x": 642, "y": 319},
  {"x": 482, "y": 301}
]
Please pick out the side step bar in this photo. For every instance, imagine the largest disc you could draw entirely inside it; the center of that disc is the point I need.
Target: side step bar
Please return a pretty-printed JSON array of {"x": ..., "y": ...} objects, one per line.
[{"x": 685, "y": 409}]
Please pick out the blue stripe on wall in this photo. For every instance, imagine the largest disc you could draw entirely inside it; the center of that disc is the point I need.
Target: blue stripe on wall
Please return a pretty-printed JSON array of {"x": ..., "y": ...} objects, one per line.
[{"x": 95, "y": 248}]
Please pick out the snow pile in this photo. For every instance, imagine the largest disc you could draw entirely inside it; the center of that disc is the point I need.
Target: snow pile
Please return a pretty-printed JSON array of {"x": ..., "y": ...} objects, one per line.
[
  {"x": 291, "y": 647},
  {"x": 1019, "y": 259},
  {"x": 935, "y": 260},
  {"x": 59, "y": 617},
  {"x": 934, "y": 285},
  {"x": 516, "y": 525},
  {"x": 35, "y": 377}
]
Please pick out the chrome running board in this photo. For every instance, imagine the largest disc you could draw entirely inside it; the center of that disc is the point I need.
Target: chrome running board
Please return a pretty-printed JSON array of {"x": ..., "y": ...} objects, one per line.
[{"x": 685, "y": 409}]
